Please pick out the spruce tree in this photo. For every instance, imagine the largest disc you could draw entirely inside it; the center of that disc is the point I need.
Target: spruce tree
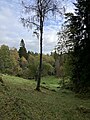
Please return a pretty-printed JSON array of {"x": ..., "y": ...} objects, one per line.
[
  {"x": 79, "y": 34},
  {"x": 22, "y": 51}
]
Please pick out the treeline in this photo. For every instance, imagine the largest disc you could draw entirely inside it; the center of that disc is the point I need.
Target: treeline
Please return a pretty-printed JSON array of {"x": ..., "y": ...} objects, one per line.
[{"x": 24, "y": 64}]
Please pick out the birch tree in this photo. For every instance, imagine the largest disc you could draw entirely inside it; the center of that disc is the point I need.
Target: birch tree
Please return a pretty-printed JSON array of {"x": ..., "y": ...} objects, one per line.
[{"x": 36, "y": 12}]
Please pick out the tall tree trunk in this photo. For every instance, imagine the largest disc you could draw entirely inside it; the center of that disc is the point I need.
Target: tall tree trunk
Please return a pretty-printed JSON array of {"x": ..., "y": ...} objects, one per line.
[{"x": 40, "y": 64}]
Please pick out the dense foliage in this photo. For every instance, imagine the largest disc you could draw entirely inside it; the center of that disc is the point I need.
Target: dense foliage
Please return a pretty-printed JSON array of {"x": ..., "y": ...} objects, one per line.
[
  {"x": 74, "y": 40},
  {"x": 78, "y": 25},
  {"x": 24, "y": 64}
]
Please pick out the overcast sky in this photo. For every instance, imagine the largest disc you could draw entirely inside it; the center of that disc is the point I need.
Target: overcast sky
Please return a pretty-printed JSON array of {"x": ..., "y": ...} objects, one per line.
[{"x": 12, "y": 30}]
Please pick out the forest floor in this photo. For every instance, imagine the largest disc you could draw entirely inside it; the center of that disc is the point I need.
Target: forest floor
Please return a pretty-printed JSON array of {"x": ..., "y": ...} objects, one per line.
[{"x": 20, "y": 101}]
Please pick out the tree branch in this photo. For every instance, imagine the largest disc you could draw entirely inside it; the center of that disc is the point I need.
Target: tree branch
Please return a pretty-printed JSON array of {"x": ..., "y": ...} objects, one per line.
[{"x": 27, "y": 21}]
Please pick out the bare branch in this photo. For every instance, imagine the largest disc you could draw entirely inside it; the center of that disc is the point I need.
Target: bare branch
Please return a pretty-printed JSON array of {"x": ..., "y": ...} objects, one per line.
[
  {"x": 28, "y": 23},
  {"x": 38, "y": 10},
  {"x": 29, "y": 8}
]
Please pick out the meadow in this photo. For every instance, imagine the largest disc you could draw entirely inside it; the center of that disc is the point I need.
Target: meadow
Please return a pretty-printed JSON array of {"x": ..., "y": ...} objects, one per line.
[{"x": 20, "y": 101}]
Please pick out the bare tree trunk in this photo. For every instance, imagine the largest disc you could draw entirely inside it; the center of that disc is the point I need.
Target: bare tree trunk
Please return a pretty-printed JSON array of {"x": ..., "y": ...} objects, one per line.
[
  {"x": 40, "y": 8},
  {"x": 40, "y": 64}
]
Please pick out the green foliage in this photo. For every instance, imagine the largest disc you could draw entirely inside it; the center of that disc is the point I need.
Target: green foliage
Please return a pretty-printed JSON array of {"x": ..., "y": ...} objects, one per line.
[
  {"x": 5, "y": 60},
  {"x": 47, "y": 65},
  {"x": 23, "y": 62},
  {"x": 79, "y": 34},
  {"x": 33, "y": 63},
  {"x": 47, "y": 69},
  {"x": 60, "y": 65},
  {"x": 15, "y": 61},
  {"x": 12, "y": 63},
  {"x": 68, "y": 66},
  {"x": 49, "y": 59}
]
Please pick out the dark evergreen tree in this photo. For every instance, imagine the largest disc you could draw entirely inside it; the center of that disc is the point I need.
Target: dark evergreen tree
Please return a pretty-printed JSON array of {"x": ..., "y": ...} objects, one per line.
[
  {"x": 79, "y": 32},
  {"x": 22, "y": 51},
  {"x": 22, "y": 44}
]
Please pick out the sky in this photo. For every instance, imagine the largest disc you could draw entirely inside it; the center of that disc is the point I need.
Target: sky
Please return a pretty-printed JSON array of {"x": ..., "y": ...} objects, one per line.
[{"x": 12, "y": 30}]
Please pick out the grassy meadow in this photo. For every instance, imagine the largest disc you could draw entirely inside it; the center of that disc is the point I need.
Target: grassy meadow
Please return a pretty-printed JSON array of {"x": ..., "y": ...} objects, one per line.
[{"x": 20, "y": 101}]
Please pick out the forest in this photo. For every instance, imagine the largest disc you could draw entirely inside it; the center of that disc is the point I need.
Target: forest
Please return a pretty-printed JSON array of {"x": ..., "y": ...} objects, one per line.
[{"x": 52, "y": 86}]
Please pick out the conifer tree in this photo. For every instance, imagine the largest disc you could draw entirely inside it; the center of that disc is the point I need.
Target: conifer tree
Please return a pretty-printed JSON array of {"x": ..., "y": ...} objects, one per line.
[
  {"x": 22, "y": 50},
  {"x": 79, "y": 33}
]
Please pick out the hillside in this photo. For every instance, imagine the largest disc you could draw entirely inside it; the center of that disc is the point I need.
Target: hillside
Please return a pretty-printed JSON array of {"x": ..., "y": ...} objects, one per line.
[{"x": 20, "y": 101}]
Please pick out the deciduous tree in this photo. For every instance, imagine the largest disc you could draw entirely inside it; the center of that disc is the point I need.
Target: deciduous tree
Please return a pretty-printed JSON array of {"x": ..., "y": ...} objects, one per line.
[
  {"x": 5, "y": 60},
  {"x": 38, "y": 10}
]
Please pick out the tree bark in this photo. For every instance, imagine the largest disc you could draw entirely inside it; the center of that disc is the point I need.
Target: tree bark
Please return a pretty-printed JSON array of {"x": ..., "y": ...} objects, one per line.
[{"x": 40, "y": 64}]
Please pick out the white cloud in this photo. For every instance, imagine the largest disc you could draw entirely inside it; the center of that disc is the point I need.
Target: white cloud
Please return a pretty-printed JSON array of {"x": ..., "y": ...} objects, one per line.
[{"x": 12, "y": 31}]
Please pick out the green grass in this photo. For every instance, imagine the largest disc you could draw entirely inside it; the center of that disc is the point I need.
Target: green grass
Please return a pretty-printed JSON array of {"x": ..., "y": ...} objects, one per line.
[
  {"x": 50, "y": 82},
  {"x": 20, "y": 101}
]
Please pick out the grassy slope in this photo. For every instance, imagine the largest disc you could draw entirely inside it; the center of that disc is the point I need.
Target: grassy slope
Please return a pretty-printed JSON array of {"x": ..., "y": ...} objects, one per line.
[{"x": 19, "y": 101}]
